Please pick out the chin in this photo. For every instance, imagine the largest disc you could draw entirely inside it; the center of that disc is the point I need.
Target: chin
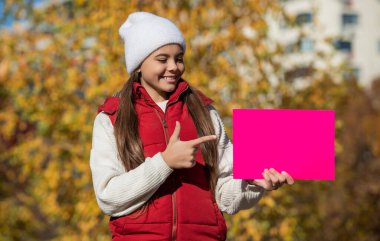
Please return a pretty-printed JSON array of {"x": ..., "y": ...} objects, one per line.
[
  {"x": 170, "y": 87},
  {"x": 170, "y": 90}
]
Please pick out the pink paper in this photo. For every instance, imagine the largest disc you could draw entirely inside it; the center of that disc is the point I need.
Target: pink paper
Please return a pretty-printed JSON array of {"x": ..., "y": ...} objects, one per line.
[{"x": 300, "y": 142}]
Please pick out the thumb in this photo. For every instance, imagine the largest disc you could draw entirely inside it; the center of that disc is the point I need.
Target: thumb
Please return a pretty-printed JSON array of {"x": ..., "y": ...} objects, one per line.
[
  {"x": 177, "y": 130},
  {"x": 261, "y": 183}
]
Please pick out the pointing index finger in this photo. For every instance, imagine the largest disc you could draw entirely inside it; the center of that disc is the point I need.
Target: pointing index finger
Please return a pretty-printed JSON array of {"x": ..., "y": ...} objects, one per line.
[{"x": 202, "y": 139}]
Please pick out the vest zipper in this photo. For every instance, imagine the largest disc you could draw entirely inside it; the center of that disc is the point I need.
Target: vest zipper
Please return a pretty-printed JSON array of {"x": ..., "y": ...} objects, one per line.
[
  {"x": 163, "y": 121},
  {"x": 174, "y": 227},
  {"x": 174, "y": 201}
]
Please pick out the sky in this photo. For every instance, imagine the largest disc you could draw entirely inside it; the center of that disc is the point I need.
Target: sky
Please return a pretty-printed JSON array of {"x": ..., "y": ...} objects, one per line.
[{"x": 7, "y": 23}]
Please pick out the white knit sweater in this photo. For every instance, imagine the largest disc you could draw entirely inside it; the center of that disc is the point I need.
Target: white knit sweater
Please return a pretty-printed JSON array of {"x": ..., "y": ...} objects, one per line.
[{"x": 119, "y": 192}]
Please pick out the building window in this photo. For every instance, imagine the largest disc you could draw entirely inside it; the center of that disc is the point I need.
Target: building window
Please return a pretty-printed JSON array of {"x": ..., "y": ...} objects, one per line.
[
  {"x": 347, "y": 3},
  {"x": 306, "y": 45},
  {"x": 304, "y": 18},
  {"x": 343, "y": 45},
  {"x": 290, "y": 48},
  {"x": 349, "y": 19},
  {"x": 352, "y": 73},
  {"x": 299, "y": 72},
  {"x": 356, "y": 72}
]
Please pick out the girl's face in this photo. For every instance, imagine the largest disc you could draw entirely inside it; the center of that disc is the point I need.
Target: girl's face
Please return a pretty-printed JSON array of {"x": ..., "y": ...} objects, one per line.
[{"x": 161, "y": 71}]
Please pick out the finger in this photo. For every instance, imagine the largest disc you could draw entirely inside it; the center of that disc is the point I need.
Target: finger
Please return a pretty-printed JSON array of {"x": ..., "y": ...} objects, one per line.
[
  {"x": 273, "y": 185},
  {"x": 266, "y": 177},
  {"x": 281, "y": 178},
  {"x": 258, "y": 182},
  {"x": 267, "y": 183},
  {"x": 202, "y": 139},
  {"x": 273, "y": 177},
  {"x": 261, "y": 182},
  {"x": 289, "y": 179},
  {"x": 176, "y": 132},
  {"x": 273, "y": 181}
]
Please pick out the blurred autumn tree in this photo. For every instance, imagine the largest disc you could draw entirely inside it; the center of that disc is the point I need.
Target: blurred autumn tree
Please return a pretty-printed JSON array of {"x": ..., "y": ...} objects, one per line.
[{"x": 67, "y": 57}]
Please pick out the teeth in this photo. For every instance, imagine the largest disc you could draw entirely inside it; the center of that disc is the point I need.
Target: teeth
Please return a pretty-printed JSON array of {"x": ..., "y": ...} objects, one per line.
[{"x": 169, "y": 78}]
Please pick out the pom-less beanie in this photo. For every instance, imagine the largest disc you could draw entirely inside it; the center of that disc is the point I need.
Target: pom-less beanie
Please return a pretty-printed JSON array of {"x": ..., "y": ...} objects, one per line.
[{"x": 143, "y": 33}]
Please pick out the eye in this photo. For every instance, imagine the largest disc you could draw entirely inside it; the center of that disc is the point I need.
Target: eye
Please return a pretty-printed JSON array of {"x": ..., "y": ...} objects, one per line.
[
  {"x": 162, "y": 60},
  {"x": 180, "y": 59}
]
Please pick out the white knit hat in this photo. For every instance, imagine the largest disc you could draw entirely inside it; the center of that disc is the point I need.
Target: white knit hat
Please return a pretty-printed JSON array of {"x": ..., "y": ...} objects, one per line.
[{"x": 143, "y": 33}]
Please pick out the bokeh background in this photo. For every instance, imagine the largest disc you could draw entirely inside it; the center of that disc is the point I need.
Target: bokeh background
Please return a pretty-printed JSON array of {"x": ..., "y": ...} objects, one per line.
[{"x": 60, "y": 59}]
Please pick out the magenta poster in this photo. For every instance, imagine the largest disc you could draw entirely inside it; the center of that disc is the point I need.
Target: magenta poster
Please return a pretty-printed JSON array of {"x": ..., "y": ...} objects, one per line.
[{"x": 300, "y": 142}]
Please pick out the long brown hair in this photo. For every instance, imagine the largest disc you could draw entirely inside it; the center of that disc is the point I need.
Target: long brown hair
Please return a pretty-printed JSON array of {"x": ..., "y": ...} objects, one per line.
[{"x": 128, "y": 141}]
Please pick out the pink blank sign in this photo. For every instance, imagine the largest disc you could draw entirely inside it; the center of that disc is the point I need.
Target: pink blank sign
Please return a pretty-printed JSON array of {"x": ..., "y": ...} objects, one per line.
[{"x": 300, "y": 142}]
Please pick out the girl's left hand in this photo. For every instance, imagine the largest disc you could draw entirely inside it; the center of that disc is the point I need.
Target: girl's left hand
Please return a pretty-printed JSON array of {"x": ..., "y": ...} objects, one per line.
[{"x": 272, "y": 180}]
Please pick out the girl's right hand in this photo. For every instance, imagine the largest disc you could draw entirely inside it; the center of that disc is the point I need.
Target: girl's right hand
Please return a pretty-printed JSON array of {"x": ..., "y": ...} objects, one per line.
[{"x": 181, "y": 154}]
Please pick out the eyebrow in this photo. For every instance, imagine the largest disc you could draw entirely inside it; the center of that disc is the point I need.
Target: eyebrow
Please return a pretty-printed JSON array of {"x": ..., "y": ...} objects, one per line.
[{"x": 167, "y": 55}]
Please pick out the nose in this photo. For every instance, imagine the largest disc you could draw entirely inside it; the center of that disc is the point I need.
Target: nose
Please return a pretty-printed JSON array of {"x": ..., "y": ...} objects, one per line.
[{"x": 172, "y": 65}]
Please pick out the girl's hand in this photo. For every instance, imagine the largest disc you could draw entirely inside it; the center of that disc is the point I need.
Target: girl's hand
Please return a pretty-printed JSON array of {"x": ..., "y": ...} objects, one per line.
[
  {"x": 272, "y": 180},
  {"x": 181, "y": 154}
]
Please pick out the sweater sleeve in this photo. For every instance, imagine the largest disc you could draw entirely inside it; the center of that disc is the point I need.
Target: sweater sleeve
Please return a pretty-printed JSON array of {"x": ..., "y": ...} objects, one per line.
[
  {"x": 232, "y": 195},
  {"x": 119, "y": 192}
]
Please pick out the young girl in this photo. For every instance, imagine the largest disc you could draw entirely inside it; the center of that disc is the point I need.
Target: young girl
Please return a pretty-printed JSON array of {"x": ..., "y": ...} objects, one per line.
[{"x": 161, "y": 161}]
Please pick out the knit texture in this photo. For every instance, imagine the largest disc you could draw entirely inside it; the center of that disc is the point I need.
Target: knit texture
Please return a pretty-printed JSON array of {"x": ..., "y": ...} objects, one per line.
[
  {"x": 143, "y": 33},
  {"x": 120, "y": 193}
]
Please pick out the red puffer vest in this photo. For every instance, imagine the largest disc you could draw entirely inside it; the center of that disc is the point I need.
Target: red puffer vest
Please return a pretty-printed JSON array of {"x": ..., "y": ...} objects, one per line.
[{"x": 183, "y": 208}]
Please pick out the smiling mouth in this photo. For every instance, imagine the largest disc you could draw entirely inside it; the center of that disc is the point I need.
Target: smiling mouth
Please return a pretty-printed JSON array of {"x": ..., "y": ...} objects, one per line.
[{"x": 170, "y": 79}]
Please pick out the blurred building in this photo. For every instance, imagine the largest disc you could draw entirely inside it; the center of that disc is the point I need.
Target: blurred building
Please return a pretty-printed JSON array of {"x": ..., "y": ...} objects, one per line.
[{"x": 339, "y": 31}]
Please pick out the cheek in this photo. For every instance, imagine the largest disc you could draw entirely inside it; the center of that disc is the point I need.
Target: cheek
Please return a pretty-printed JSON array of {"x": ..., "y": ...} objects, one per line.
[
  {"x": 181, "y": 68},
  {"x": 157, "y": 71},
  {"x": 151, "y": 69},
  {"x": 152, "y": 74}
]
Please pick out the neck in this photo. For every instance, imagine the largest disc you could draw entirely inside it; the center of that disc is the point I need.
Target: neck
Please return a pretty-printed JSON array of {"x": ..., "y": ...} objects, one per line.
[{"x": 156, "y": 96}]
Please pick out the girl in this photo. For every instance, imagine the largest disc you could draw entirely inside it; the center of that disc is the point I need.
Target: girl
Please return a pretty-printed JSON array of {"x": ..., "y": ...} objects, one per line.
[{"x": 161, "y": 161}]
